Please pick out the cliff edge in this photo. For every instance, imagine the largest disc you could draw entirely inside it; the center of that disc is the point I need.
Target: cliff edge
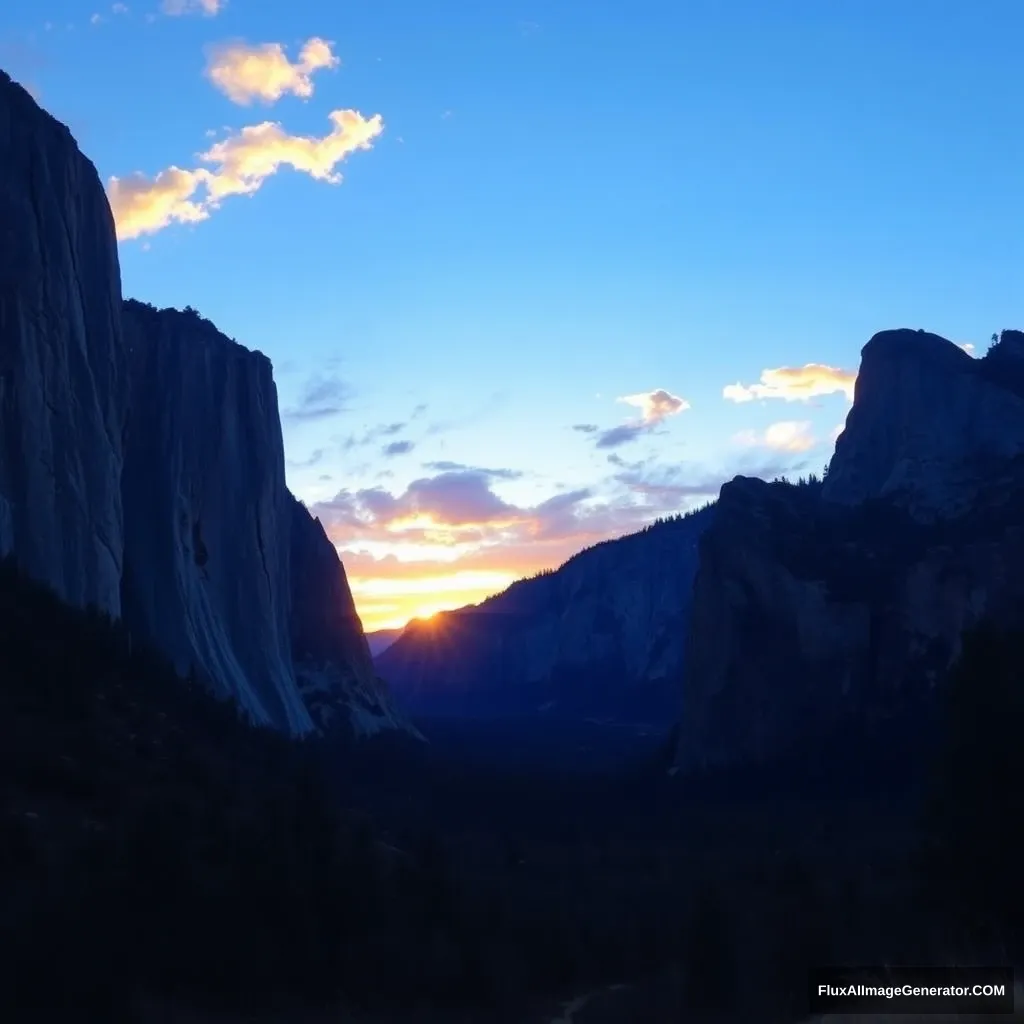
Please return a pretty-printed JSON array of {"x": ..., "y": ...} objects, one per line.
[
  {"x": 839, "y": 605},
  {"x": 62, "y": 361},
  {"x": 333, "y": 667},
  {"x": 142, "y": 462},
  {"x": 207, "y": 572}
]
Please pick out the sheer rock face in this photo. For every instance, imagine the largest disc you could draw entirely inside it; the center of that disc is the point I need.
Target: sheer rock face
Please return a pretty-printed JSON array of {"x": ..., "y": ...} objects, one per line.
[
  {"x": 928, "y": 424},
  {"x": 602, "y": 636},
  {"x": 332, "y": 660},
  {"x": 142, "y": 464},
  {"x": 62, "y": 362},
  {"x": 818, "y": 607},
  {"x": 207, "y": 566}
]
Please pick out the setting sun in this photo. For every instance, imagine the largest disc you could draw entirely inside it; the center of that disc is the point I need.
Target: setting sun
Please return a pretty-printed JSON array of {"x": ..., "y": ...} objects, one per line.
[{"x": 389, "y": 603}]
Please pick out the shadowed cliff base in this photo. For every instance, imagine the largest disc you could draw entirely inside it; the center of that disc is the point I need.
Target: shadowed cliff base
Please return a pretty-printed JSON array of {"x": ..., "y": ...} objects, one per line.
[{"x": 157, "y": 848}]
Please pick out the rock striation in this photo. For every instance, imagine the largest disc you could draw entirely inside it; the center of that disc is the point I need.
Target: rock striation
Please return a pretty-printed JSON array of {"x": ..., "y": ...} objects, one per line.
[
  {"x": 62, "y": 365},
  {"x": 839, "y": 606},
  {"x": 603, "y": 636},
  {"x": 207, "y": 560},
  {"x": 142, "y": 462}
]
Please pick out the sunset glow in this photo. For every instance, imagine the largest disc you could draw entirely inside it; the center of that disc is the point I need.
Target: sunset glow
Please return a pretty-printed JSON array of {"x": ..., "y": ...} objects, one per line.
[
  {"x": 386, "y": 603},
  {"x": 486, "y": 356}
]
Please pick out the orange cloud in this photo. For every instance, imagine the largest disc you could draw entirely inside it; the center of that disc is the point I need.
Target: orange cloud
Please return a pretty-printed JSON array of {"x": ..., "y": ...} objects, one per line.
[
  {"x": 450, "y": 540},
  {"x": 262, "y": 72},
  {"x": 241, "y": 163},
  {"x": 795, "y": 384},
  {"x": 785, "y": 436},
  {"x": 655, "y": 407}
]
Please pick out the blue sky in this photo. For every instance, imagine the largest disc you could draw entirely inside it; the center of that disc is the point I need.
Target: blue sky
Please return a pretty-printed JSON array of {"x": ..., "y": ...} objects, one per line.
[{"x": 563, "y": 204}]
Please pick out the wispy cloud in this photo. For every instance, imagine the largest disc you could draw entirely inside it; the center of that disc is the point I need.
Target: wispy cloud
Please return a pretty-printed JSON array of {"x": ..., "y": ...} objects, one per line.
[
  {"x": 785, "y": 436},
  {"x": 241, "y": 163},
  {"x": 491, "y": 403},
  {"x": 207, "y": 8},
  {"x": 321, "y": 398},
  {"x": 585, "y": 428},
  {"x": 119, "y": 8},
  {"x": 655, "y": 407},
  {"x": 446, "y": 466},
  {"x": 371, "y": 435},
  {"x": 245, "y": 72},
  {"x": 314, "y": 458},
  {"x": 795, "y": 384},
  {"x": 397, "y": 448}
]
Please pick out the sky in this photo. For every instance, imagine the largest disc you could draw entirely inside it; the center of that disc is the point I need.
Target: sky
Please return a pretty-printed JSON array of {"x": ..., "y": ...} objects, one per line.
[{"x": 532, "y": 274}]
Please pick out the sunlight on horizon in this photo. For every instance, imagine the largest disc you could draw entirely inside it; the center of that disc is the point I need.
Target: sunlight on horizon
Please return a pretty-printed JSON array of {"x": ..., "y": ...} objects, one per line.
[{"x": 391, "y": 603}]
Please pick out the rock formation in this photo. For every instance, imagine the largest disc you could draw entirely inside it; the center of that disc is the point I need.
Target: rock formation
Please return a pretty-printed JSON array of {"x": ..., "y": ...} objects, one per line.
[
  {"x": 928, "y": 424},
  {"x": 142, "y": 464},
  {"x": 207, "y": 572},
  {"x": 602, "y": 636},
  {"x": 835, "y": 606},
  {"x": 333, "y": 667},
  {"x": 61, "y": 360}
]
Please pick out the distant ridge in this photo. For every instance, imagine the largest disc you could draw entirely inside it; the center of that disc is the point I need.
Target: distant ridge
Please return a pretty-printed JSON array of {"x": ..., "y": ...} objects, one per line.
[{"x": 601, "y": 637}]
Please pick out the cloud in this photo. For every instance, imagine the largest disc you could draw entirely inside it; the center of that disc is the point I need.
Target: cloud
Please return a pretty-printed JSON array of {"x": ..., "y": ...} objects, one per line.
[
  {"x": 457, "y": 511},
  {"x": 371, "y": 435},
  {"x": 95, "y": 19},
  {"x": 246, "y": 73},
  {"x": 795, "y": 384},
  {"x": 119, "y": 8},
  {"x": 490, "y": 404},
  {"x": 397, "y": 448},
  {"x": 314, "y": 458},
  {"x": 445, "y": 466},
  {"x": 834, "y": 433},
  {"x": 621, "y": 435},
  {"x": 968, "y": 347},
  {"x": 785, "y": 436},
  {"x": 667, "y": 486},
  {"x": 655, "y": 407},
  {"x": 451, "y": 538},
  {"x": 585, "y": 428},
  {"x": 454, "y": 499},
  {"x": 207, "y": 8},
  {"x": 321, "y": 398},
  {"x": 241, "y": 164}
]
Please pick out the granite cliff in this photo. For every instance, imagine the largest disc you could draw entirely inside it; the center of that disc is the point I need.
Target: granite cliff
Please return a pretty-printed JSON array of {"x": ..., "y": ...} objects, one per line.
[
  {"x": 602, "y": 636},
  {"x": 333, "y": 667},
  {"x": 836, "y": 607},
  {"x": 142, "y": 463},
  {"x": 207, "y": 570},
  {"x": 62, "y": 367}
]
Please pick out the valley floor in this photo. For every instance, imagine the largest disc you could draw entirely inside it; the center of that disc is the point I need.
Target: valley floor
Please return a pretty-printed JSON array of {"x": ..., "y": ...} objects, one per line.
[{"x": 150, "y": 842}]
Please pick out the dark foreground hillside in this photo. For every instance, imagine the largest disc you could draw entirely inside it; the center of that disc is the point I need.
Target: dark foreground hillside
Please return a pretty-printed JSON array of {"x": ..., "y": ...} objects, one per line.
[{"x": 157, "y": 851}]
